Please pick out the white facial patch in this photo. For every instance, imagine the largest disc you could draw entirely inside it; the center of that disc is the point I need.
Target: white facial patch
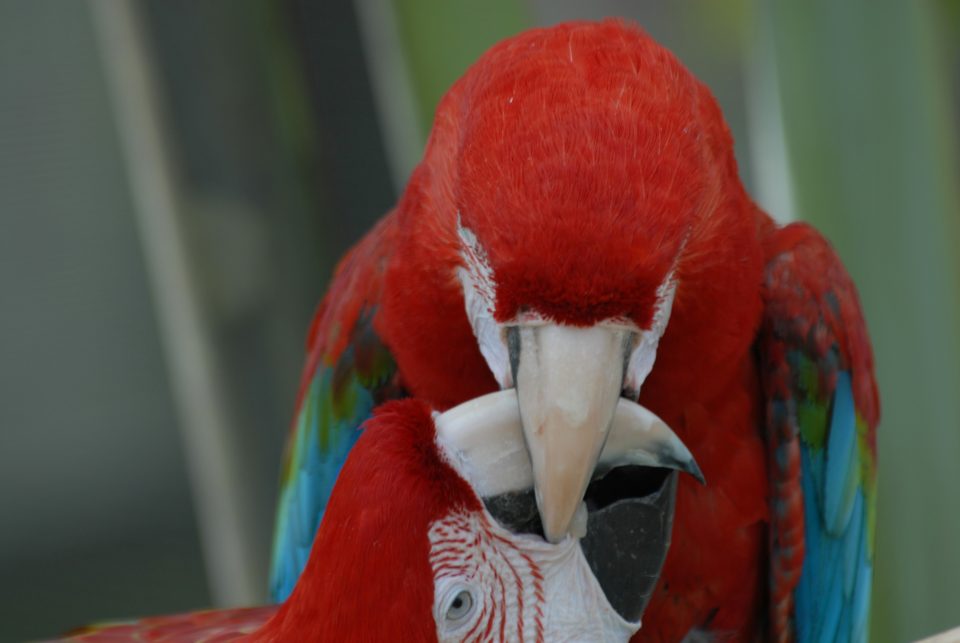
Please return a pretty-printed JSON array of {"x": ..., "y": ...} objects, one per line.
[
  {"x": 493, "y": 585},
  {"x": 479, "y": 295},
  {"x": 644, "y": 352}
]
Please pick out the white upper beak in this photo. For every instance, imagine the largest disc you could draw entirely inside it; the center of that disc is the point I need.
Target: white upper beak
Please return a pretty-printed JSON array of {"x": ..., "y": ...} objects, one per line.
[
  {"x": 568, "y": 382},
  {"x": 485, "y": 436}
]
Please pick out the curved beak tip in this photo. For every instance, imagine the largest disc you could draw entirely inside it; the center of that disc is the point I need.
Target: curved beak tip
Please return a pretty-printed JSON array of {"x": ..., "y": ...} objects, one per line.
[
  {"x": 694, "y": 470},
  {"x": 683, "y": 461}
]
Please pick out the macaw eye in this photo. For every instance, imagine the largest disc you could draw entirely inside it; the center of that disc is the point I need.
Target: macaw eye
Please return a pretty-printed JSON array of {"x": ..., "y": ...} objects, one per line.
[
  {"x": 455, "y": 607},
  {"x": 460, "y": 606}
]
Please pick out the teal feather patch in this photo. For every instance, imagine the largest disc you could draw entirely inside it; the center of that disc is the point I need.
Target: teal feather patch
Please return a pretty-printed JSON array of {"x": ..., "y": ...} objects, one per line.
[
  {"x": 842, "y": 470},
  {"x": 832, "y": 597},
  {"x": 339, "y": 399}
]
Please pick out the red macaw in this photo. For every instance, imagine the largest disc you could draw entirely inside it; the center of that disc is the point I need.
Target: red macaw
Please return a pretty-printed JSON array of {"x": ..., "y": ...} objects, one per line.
[
  {"x": 577, "y": 231},
  {"x": 408, "y": 551}
]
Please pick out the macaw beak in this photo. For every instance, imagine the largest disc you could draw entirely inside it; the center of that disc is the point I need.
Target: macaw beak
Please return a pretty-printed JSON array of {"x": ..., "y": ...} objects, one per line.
[
  {"x": 628, "y": 511},
  {"x": 569, "y": 382}
]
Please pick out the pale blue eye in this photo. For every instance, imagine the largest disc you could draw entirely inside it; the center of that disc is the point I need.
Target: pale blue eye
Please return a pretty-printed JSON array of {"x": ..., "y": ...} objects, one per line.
[{"x": 460, "y": 606}]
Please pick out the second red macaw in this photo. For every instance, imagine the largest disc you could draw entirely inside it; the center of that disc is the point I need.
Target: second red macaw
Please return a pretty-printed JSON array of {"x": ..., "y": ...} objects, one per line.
[
  {"x": 408, "y": 550},
  {"x": 577, "y": 230}
]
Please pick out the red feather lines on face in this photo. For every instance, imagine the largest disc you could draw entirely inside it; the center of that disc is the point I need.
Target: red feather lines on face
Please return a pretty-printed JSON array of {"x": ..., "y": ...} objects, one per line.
[
  {"x": 509, "y": 581},
  {"x": 580, "y": 170},
  {"x": 369, "y": 576}
]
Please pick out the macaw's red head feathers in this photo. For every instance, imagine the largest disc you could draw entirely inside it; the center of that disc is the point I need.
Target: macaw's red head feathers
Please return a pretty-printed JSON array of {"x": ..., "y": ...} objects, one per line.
[
  {"x": 582, "y": 144},
  {"x": 584, "y": 157},
  {"x": 576, "y": 175},
  {"x": 369, "y": 576},
  {"x": 578, "y": 197}
]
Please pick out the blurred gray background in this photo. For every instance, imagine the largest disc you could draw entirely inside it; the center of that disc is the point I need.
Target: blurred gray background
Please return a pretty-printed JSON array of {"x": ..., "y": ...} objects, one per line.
[{"x": 178, "y": 178}]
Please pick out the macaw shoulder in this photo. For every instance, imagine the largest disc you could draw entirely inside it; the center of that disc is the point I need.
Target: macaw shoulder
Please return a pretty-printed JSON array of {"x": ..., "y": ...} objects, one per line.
[
  {"x": 808, "y": 293},
  {"x": 356, "y": 286},
  {"x": 348, "y": 371}
]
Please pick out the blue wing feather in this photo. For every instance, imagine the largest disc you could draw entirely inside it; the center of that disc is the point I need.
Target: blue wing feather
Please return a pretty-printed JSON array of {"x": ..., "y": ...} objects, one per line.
[
  {"x": 349, "y": 371},
  {"x": 339, "y": 399},
  {"x": 831, "y": 596},
  {"x": 841, "y": 458},
  {"x": 822, "y": 410}
]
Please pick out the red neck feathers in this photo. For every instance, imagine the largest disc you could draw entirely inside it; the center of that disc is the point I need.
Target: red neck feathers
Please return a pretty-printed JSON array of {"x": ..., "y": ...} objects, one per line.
[{"x": 369, "y": 575}]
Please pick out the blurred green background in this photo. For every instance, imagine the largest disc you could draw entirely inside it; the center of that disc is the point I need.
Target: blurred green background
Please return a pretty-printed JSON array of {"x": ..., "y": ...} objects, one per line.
[{"x": 178, "y": 178}]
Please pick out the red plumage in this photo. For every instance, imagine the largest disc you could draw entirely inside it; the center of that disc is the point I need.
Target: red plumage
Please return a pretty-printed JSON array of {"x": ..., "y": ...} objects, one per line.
[
  {"x": 369, "y": 576},
  {"x": 592, "y": 165},
  {"x": 194, "y": 627}
]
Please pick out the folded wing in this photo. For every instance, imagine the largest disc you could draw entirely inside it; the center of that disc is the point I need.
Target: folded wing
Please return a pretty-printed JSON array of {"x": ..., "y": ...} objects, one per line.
[
  {"x": 349, "y": 370},
  {"x": 822, "y": 410}
]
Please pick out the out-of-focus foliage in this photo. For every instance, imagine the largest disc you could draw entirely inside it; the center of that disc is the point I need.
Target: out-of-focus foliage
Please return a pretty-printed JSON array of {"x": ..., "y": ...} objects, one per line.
[
  {"x": 442, "y": 38},
  {"x": 870, "y": 123}
]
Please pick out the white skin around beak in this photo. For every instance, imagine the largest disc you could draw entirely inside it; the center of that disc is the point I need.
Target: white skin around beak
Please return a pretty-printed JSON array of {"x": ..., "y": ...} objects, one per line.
[{"x": 492, "y": 585}]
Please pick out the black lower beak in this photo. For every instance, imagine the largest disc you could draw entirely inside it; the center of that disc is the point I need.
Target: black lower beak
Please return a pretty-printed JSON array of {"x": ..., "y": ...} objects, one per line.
[
  {"x": 627, "y": 540},
  {"x": 630, "y": 517}
]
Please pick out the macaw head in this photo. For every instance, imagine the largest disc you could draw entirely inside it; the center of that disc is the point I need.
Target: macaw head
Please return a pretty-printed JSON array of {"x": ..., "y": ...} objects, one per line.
[
  {"x": 409, "y": 547},
  {"x": 579, "y": 199}
]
